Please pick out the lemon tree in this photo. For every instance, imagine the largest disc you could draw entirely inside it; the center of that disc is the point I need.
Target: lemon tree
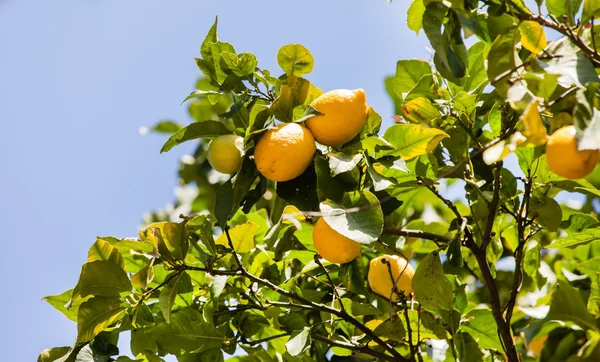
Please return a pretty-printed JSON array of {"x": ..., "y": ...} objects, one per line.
[{"x": 305, "y": 230}]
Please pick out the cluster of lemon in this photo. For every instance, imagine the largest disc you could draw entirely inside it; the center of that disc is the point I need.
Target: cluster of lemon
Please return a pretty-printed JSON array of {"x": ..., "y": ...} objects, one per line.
[{"x": 285, "y": 152}]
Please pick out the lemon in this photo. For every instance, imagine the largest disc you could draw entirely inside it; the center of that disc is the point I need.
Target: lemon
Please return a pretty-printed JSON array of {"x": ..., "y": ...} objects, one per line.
[
  {"x": 344, "y": 113},
  {"x": 225, "y": 153},
  {"x": 285, "y": 152},
  {"x": 380, "y": 280},
  {"x": 563, "y": 157},
  {"x": 333, "y": 246}
]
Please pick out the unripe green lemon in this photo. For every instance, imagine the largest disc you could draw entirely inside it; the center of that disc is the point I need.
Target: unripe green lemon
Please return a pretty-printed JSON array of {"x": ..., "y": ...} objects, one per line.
[{"x": 225, "y": 153}]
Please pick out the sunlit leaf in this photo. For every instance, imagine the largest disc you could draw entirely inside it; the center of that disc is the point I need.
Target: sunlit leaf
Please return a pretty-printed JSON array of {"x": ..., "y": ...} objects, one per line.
[
  {"x": 242, "y": 237},
  {"x": 533, "y": 37},
  {"x": 358, "y": 216},
  {"x": 195, "y": 130},
  {"x": 431, "y": 287},
  {"x": 97, "y": 314},
  {"x": 295, "y": 60},
  {"x": 411, "y": 140}
]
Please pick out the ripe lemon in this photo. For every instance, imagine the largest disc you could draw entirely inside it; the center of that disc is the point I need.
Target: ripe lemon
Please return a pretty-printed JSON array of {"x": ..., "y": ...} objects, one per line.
[
  {"x": 333, "y": 246},
  {"x": 380, "y": 280},
  {"x": 283, "y": 153},
  {"x": 563, "y": 157},
  {"x": 225, "y": 153},
  {"x": 344, "y": 115}
]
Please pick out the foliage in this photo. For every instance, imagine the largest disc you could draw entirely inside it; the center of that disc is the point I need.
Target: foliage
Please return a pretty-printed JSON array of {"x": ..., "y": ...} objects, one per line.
[{"x": 231, "y": 266}]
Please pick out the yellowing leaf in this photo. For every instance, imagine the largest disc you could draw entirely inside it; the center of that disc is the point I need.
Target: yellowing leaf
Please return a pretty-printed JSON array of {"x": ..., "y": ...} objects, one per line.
[
  {"x": 292, "y": 212},
  {"x": 420, "y": 110},
  {"x": 533, "y": 128},
  {"x": 411, "y": 140},
  {"x": 533, "y": 37},
  {"x": 242, "y": 237}
]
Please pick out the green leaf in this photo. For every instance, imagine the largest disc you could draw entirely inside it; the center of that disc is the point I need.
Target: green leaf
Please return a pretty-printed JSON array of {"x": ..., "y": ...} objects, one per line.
[
  {"x": 194, "y": 131},
  {"x": 527, "y": 157},
  {"x": 431, "y": 287},
  {"x": 477, "y": 73},
  {"x": 593, "y": 304},
  {"x": 415, "y": 15},
  {"x": 224, "y": 204},
  {"x": 505, "y": 58},
  {"x": 357, "y": 309},
  {"x": 411, "y": 140},
  {"x": 340, "y": 162},
  {"x": 242, "y": 64},
  {"x": 295, "y": 60},
  {"x": 62, "y": 303},
  {"x": 549, "y": 213},
  {"x": 170, "y": 239},
  {"x": 102, "y": 250},
  {"x": 301, "y": 191},
  {"x": 353, "y": 277},
  {"x": 169, "y": 127},
  {"x": 362, "y": 226},
  {"x": 217, "y": 49},
  {"x": 242, "y": 237},
  {"x": 298, "y": 342},
  {"x": 52, "y": 354},
  {"x": 423, "y": 327},
  {"x": 101, "y": 278},
  {"x": 574, "y": 240},
  {"x": 187, "y": 331},
  {"x": 572, "y": 67},
  {"x": 568, "y": 305},
  {"x": 559, "y": 8},
  {"x": 179, "y": 284},
  {"x": 532, "y": 262},
  {"x": 467, "y": 347},
  {"x": 202, "y": 226},
  {"x": 587, "y": 119},
  {"x": 97, "y": 314},
  {"x": 480, "y": 324},
  {"x": 211, "y": 37},
  {"x": 591, "y": 8},
  {"x": 380, "y": 182},
  {"x": 408, "y": 74},
  {"x": 391, "y": 329}
]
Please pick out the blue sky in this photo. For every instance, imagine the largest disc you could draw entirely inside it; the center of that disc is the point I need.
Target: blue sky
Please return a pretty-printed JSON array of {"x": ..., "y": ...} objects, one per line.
[{"x": 79, "y": 78}]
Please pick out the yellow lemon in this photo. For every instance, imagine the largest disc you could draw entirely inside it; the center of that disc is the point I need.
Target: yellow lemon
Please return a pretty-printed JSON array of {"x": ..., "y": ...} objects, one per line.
[
  {"x": 333, "y": 246},
  {"x": 283, "y": 153},
  {"x": 225, "y": 153},
  {"x": 563, "y": 157},
  {"x": 344, "y": 113},
  {"x": 380, "y": 280}
]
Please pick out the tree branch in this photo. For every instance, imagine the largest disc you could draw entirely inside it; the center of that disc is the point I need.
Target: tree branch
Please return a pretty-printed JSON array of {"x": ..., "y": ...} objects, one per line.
[
  {"x": 488, "y": 279},
  {"x": 522, "y": 223},
  {"x": 492, "y": 207},
  {"x": 353, "y": 347},
  {"x": 565, "y": 30},
  {"x": 417, "y": 234},
  {"x": 306, "y": 304}
]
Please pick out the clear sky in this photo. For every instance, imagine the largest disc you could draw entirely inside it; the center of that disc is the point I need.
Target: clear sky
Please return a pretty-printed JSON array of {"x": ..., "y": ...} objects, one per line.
[{"x": 79, "y": 78}]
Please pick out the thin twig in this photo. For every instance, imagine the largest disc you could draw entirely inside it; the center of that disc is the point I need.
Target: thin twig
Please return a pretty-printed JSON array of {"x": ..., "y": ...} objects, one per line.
[
  {"x": 493, "y": 207},
  {"x": 353, "y": 347},
  {"x": 259, "y": 341},
  {"x": 522, "y": 223},
  {"x": 416, "y": 234},
  {"x": 305, "y": 303}
]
